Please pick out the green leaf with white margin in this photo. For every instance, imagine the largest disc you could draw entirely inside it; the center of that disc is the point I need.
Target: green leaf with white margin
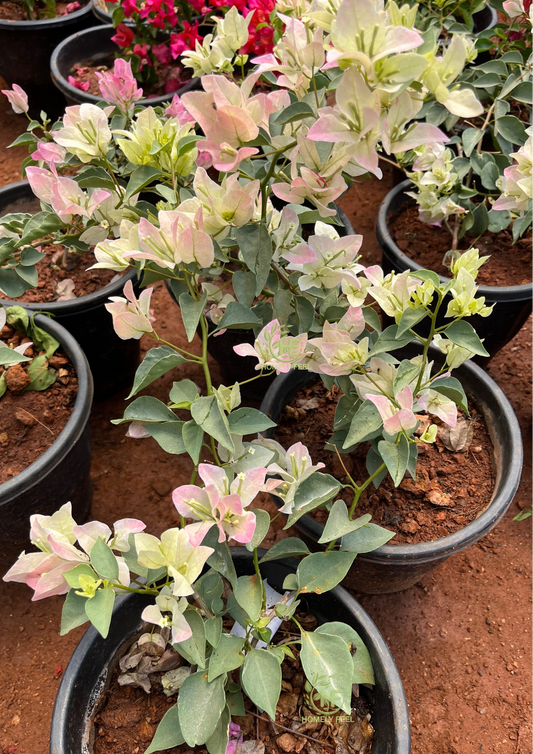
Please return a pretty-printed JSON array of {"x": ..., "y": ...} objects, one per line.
[
  {"x": 73, "y": 613},
  {"x": 286, "y": 548},
  {"x": 262, "y": 525},
  {"x": 206, "y": 412},
  {"x": 313, "y": 492},
  {"x": 193, "y": 648},
  {"x": 463, "y": 334},
  {"x": 158, "y": 361},
  {"x": 99, "y": 610},
  {"x": 369, "y": 537},
  {"x": 322, "y": 571},
  {"x": 147, "y": 410},
  {"x": 396, "y": 457},
  {"x": 452, "y": 389},
  {"x": 261, "y": 679},
  {"x": 169, "y": 435},
  {"x": 247, "y": 421},
  {"x": 365, "y": 422},
  {"x": 168, "y": 733},
  {"x": 405, "y": 374},
  {"x": 227, "y": 656},
  {"x": 410, "y": 318},
  {"x": 218, "y": 742},
  {"x": 249, "y": 595},
  {"x": 328, "y": 665},
  {"x": 339, "y": 524},
  {"x": 183, "y": 393},
  {"x": 362, "y": 662},
  {"x": 139, "y": 179},
  {"x": 200, "y": 705},
  {"x": 191, "y": 311},
  {"x": 193, "y": 437},
  {"x": 238, "y": 316},
  {"x": 104, "y": 561}
]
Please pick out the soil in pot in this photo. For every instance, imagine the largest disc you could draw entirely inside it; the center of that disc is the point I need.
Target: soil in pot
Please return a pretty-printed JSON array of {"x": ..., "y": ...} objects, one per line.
[
  {"x": 128, "y": 717},
  {"x": 31, "y": 421},
  {"x": 509, "y": 264},
  {"x": 12, "y": 11},
  {"x": 170, "y": 78},
  {"x": 452, "y": 487}
]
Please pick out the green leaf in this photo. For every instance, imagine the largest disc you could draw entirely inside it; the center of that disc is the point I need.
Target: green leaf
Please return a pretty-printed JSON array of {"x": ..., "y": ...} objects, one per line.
[
  {"x": 200, "y": 704},
  {"x": 328, "y": 665},
  {"x": 249, "y": 595},
  {"x": 147, "y": 410},
  {"x": 451, "y": 388},
  {"x": 11, "y": 284},
  {"x": 158, "y": 361},
  {"x": 247, "y": 421},
  {"x": 193, "y": 648},
  {"x": 104, "y": 561},
  {"x": 140, "y": 179},
  {"x": 261, "y": 679},
  {"x": 521, "y": 224},
  {"x": 206, "y": 412},
  {"x": 305, "y": 312},
  {"x": 168, "y": 733},
  {"x": 169, "y": 435},
  {"x": 40, "y": 226},
  {"x": 235, "y": 702},
  {"x": 523, "y": 93},
  {"x": 41, "y": 377},
  {"x": 369, "y": 537},
  {"x": 227, "y": 656},
  {"x": 8, "y": 356},
  {"x": 297, "y": 111},
  {"x": 183, "y": 393},
  {"x": 481, "y": 220},
  {"x": 99, "y": 610},
  {"x": 73, "y": 577},
  {"x": 366, "y": 420},
  {"x": 213, "y": 631},
  {"x": 409, "y": 319},
  {"x": 322, "y": 571},
  {"x": 94, "y": 177},
  {"x": 73, "y": 613},
  {"x": 314, "y": 491},
  {"x": 489, "y": 176},
  {"x": 262, "y": 525},
  {"x": 405, "y": 374},
  {"x": 193, "y": 437},
  {"x": 286, "y": 548},
  {"x": 218, "y": 742},
  {"x": 390, "y": 341},
  {"x": 463, "y": 334},
  {"x": 191, "y": 311},
  {"x": 396, "y": 457},
  {"x": 362, "y": 663},
  {"x": 339, "y": 524},
  {"x": 471, "y": 137},
  {"x": 221, "y": 560},
  {"x": 499, "y": 220},
  {"x": 283, "y": 305},
  {"x": 238, "y": 316},
  {"x": 255, "y": 244},
  {"x": 210, "y": 586},
  {"x": 512, "y": 129},
  {"x": 244, "y": 287},
  {"x": 487, "y": 81}
]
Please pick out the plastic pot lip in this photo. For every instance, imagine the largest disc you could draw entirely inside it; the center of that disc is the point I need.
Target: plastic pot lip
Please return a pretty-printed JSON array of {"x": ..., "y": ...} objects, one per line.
[
  {"x": 459, "y": 540},
  {"x": 76, "y": 94},
  {"x": 63, "y": 308},
  {"x": 488, "y": 9},
  {"x": 365, "y": 624},
  {"x": 73, "y": 429},
  {"x": 47, "y": 23},
  {"x": 492, "y": 292}
]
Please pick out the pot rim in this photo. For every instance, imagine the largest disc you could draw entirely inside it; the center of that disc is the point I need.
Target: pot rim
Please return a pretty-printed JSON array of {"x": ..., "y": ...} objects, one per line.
[
  {"x": 61, "y": 308},
  {"x": 76, "y": 94},
  {"x": 505, "y": 487},
  {"x": 72, "y": 431},
  {"x": 366, "y": 626},
  {"x": 46, "y": 23},
  {"x": 492, "y": 292}
]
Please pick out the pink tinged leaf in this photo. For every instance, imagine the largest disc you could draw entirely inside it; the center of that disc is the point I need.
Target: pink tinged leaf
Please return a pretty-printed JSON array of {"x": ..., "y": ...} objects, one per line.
[
  {"x": 246, "y": 349},
  {"x": 383, "y": 405},
  {"x": 182, "y": 496},
  {"x": 374, "y": 274},
  {"x": 137, "y": 431},
  {"x": 90, "y": 532},
  {"x": 123, "y": 529},
  {"x": 250, "y": 486},
  {"x": 197, "y": 532},
  {"x": 52, "y": 583},
  {"x": 401, "y": 420},
  {"x": 422, "y": 133},
  {"x": 215, "y": 476},
  {"x": 25, "y": 566},
  {"x": 181, "y": 631},
  {"x": 42, "y": 182},
  {"x": 405, "y": 397}
]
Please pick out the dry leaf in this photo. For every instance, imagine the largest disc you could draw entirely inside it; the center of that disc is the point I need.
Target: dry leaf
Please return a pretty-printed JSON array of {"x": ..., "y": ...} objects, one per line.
[
  {"x": 458, "y": 438},
  {"x": 65, "y": 290}
]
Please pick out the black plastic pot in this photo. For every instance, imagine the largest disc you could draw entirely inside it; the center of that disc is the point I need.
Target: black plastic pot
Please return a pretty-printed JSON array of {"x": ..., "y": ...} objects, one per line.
[
  {"x": 91, "y": 665},
  {"x": 234, "y": 368},
  {"x": 485, "y": 19},
  {"x": 25, "y": 60},
  {"x": 393, "y": 568},
  {"x": 94, "y": 47},
  {"x": 513, "y": 303},
  {"x": 113, "y": 361},
  {"x": 62, "y": 473},
  {"x": 104, "y": 16}
]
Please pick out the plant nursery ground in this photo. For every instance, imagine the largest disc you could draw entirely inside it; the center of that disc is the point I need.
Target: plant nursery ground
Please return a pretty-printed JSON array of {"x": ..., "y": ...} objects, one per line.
[{"x": 461, "y": 637}]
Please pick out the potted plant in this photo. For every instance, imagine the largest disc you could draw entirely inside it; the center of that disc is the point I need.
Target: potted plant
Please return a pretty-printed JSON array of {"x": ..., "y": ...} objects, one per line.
[
  {"x": 381, "y": 408},
  {"x": 38, "y": 27},
  {"x": 46, "y": 397}
]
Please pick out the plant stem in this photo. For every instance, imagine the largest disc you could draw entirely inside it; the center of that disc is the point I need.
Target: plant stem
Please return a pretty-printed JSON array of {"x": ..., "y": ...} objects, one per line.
[{"x": 359, "y": 491}]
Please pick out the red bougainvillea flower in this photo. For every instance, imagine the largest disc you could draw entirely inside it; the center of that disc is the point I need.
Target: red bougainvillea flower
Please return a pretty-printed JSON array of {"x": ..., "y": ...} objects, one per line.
[
  {"x": 83, "y": 85},
  {"x": 124, "y": 36},
  {"x": 260, "y": 41},
  {"x": 162, "y": 53},
  {"x": 185, "y": 40},
  {"x": 129, "y": 7},
  {"x": 142, "y": 52}
]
